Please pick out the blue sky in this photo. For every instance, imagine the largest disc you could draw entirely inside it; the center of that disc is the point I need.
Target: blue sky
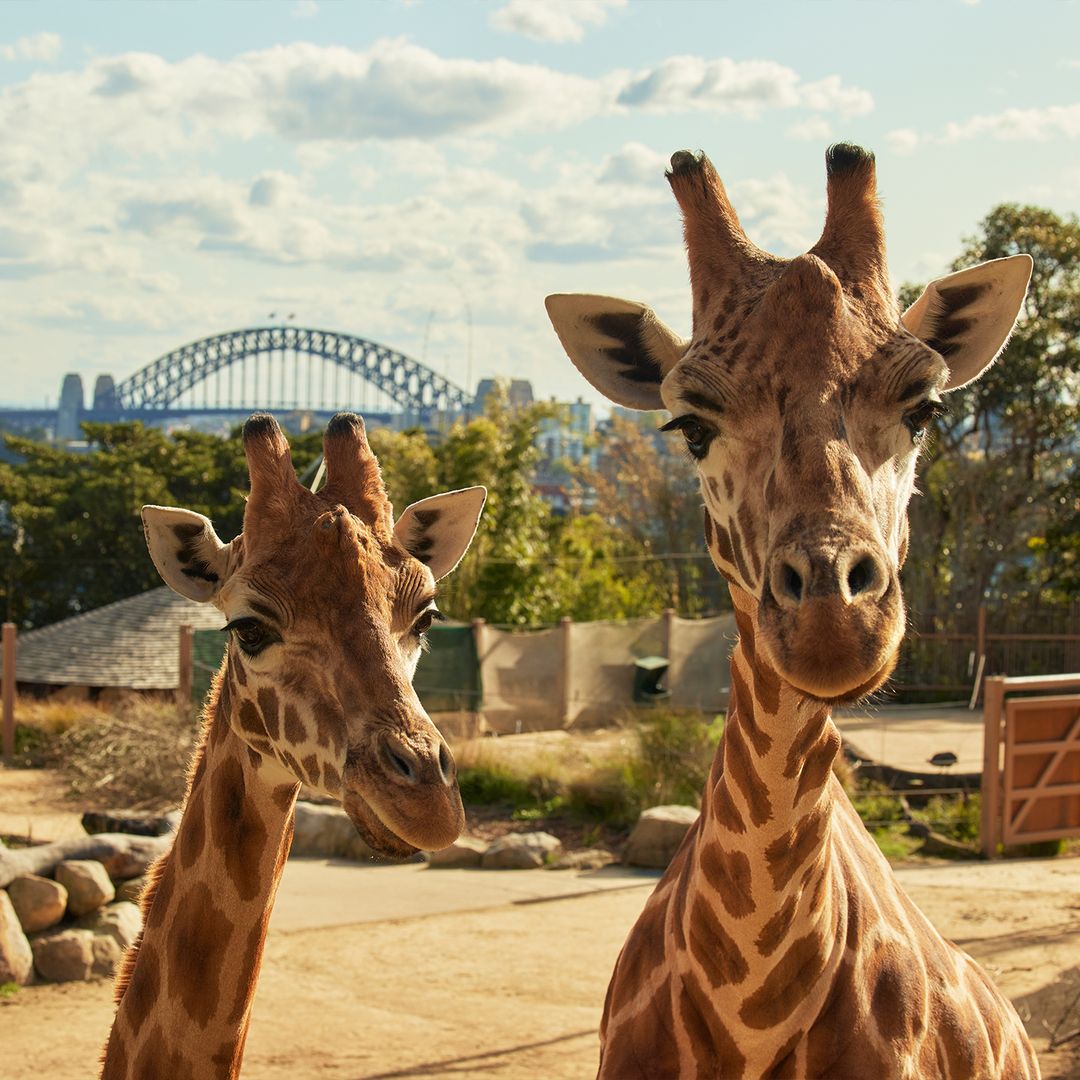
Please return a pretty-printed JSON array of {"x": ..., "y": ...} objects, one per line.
[{"x": 401, "y": 169}]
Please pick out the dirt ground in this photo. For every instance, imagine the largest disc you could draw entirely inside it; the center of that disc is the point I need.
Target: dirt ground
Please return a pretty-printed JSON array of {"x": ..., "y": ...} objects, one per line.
[{"x": 514, "y": 989}]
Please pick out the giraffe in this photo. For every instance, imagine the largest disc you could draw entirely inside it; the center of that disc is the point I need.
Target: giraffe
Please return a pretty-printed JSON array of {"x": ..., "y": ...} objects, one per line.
[
  {"x": 327, "y": 602},
  {"x": 778, "y": 943}
]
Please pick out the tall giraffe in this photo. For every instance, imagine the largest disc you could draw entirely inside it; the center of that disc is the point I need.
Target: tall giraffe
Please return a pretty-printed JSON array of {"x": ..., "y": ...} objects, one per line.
[
  {"x": 778, "y": 943},
  {"x": 327, "y": 602}
]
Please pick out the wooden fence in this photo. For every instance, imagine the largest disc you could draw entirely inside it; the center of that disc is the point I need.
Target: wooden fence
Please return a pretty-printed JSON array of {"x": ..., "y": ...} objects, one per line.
[{"x": 949, "y": 654}]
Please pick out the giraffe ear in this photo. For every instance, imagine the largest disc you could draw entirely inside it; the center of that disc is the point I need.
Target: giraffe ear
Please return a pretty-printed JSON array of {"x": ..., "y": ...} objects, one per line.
[
  {"x": 968, "y": 316},
  {"x": 438, "y": 530},
  {"x": 620, "y": 346},
  {"x": 186, "y": 551}
]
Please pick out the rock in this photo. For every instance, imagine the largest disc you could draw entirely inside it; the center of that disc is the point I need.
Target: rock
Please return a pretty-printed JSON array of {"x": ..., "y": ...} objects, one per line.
[
  {"x": 123, "y": 856},
  {"x": 131, "y": 890},
  {"x": 87, "y": 883},
  {"x": 133, "y": 822},
  {"x": 16, "y": 958},
  {"x": 521, "y": 851},
  {"x": 121, "y": 922},
  {"x": 64, "y": 955},
  {"x": 107, "y": 955},
  {"x": 586, "y": 859},
  {"x": 39, "y": 902},
  {"x": 657, "y": 835},
  {"x": 465, "y": 851},
  {"x": 328, "y": 832}
]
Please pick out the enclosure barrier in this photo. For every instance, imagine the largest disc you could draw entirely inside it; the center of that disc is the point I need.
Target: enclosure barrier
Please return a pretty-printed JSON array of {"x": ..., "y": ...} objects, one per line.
[{"x": 1031, "y": 761}]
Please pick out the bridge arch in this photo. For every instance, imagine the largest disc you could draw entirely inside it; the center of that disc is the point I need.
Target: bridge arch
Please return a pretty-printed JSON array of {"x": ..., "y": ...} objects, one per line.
[{"x": 412, "y": 386}]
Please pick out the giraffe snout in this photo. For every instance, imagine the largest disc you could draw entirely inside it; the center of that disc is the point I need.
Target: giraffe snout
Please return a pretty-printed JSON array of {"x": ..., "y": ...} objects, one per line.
[
  {"x": 431, "y": 763},
  {"x": 853, "y": 575}
]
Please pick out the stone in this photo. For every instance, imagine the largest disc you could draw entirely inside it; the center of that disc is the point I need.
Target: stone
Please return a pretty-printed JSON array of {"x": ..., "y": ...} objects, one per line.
[
  {"x": 16, "y": 957},
  {"x": 657, "y": 835},
  {"x": 87, "y": 883},
  {"x": 327, "y": 832},
  {"x": 135, "y": 822},
  {"x": 465, "y": 851},
  {"x": 38, "y": 901},
  {"x": 521, "y": 851},
  {"x": 131, "y": 890},
  {"x": 121, "y": 922},
  {"x": 585, "y": 859},
  {"x": 64, "y": 955}
]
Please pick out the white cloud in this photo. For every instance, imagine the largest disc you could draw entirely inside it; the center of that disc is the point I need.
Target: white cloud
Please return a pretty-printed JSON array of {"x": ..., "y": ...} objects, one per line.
[
  {"x": 305, "y": 9},
  {"x": 777, "y": 214},
  {"x": 902, "y": 140},
  {"x": 812, "y": 129},
  {"x": 1037, "y": 125},
  {"x": 634, "y": 164},
  {"x": 556, "y": 21},
  {"x": 44, "y": 46},
  {"x": 741, "y": 86}
]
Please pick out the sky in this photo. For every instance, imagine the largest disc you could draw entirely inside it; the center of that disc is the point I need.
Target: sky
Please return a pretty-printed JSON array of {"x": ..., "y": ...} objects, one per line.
[{"x": 421, "y": 173}]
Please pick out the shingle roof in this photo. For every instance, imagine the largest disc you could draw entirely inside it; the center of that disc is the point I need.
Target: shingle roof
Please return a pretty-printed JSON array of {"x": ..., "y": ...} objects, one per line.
[{"x": 134, "y": 643}]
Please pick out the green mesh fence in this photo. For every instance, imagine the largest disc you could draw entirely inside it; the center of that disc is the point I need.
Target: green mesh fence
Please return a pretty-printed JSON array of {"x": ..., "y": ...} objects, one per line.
[
  {"x": 448, "y": 676},
  {"x": 207, "y": 650},
  {"x": 447, "y": 679}
]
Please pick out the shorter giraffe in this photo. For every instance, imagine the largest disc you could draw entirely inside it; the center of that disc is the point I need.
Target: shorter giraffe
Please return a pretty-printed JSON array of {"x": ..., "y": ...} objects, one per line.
[
  {"x": 778, "y": 943},
  {"x": 327, "y": 603}
]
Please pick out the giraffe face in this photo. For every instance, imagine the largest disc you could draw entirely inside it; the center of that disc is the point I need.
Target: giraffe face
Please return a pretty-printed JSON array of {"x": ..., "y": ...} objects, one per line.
[
  {"x": 802, "y": 396},
  {"x": 327, "y": 604},
  {"x": 804, "y": 425}
]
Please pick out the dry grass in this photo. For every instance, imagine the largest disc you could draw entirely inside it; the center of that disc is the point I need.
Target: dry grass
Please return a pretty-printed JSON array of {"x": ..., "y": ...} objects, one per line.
[{"x": 132, "y": 754}]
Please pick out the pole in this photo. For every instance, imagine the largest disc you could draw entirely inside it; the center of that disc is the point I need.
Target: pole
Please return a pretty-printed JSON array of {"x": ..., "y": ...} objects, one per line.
[
  {"x": 564, "y": 632},
  {"x": 187, "y": 667},
  {"x": 9, "y": 689},
  {"x": 478, "y": 644},
  {"x": 993, "y": 703}
]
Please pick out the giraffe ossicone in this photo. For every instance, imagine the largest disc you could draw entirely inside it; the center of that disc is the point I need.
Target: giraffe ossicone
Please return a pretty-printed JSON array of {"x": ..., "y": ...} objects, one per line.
[
  {"x": 327, "y": 601},
  {"x": 778, "y": 943}
]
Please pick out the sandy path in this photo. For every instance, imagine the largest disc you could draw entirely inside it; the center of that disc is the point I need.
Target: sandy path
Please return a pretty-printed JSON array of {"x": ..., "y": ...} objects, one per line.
[{"x": 515, "y": 990}]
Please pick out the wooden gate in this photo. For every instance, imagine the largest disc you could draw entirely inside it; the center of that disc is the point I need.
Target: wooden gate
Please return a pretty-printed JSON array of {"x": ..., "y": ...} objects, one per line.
[{"x": 1031, "y": 762}]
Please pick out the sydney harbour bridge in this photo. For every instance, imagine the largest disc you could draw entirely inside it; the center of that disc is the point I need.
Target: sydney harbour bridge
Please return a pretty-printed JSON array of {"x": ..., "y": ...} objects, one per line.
[{"x": 281, "y": 369}]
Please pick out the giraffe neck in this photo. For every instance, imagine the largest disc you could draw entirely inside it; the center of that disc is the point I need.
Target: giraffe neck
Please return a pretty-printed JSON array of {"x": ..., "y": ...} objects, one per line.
[
  {"x": 762, "y": 869},
  {"x": 186, "y": 990}
]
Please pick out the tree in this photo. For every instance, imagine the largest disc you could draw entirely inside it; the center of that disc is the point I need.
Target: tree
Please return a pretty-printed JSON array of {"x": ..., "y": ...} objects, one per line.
[{"x": 997, "y": 475}]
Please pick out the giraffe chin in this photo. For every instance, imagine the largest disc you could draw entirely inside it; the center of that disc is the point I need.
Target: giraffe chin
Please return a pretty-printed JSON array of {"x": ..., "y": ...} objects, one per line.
[
  {"x": 830, "y": 696},
  {"x": 378, "y": 836}
]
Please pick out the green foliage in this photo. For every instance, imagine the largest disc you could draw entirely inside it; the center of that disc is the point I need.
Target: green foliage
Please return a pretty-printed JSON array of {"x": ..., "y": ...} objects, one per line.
[
  {"x": 1001, "y": 506},
  {"x": 9, "y": 989}
]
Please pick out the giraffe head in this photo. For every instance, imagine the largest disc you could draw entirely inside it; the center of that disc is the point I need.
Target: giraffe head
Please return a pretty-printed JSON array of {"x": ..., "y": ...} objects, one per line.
[
  {"x": 327, "y": 601},
  {"x": 802, "y": 395}
]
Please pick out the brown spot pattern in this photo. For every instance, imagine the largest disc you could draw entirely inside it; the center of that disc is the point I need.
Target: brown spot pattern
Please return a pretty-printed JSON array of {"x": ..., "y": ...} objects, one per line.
[
  {"x": 197, "y": 943},
  {"x": 783, "y": 1064},
  {"x": 745, "y": 712},
  {"x": 728, "y": 875},
  {"x": 806, "y": 738},
  {"x": 294, "y": 728},
  {"x": 713, "y": 947},
  {"x": 818, "y": 765},
  {"x": 725, "y": 812},
  {"x": 791, "y": 849},
  {"x": 714, "y": 1050},
  {"x": 739, "y": 767},
  {"x": 786, "y": 985},
  {"x": 776, "y": 929},
  {"x": 237, "y": 829}
]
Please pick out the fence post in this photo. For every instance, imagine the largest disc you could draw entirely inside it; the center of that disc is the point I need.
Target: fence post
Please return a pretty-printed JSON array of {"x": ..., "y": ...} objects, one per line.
[
  {"x": 185, "y": 682},
  {"x": 9, "y": 689},
  {"x": 564, "y": 633},
  {"x": 993, "y": 703},
  {"x": 478, "y": 644}
]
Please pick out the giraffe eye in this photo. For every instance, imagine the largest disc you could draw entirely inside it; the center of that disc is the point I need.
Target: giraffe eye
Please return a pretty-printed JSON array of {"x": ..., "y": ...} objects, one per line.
[
  {"x": 251, "y": 635},
  {"x": 918, "y": 420},
  {"x": 696, "y": 434},
  {"x": 424, "y": 623}
]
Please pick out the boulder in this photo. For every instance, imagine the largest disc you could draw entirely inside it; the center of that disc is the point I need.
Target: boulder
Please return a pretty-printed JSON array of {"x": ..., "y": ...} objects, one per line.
[
  {"x": 121, "y": 922},
  {"x": 133, "y": 822},
  {"x": 64, "y": 955},
  {"x": 466, "y": 851},
  {"x": 521, "y": 851},
  {"x": 586, "y": 859},
  {"x": 327, "y": 831},
  {"x": 87, "y": 883},
  {"x": 657, "y": 835},
  {"x": 131, "y": 890},
  {"x": 123, "y": 856},
  {"x": 39, "y": 902},
  {"x": 16, "y": 958}
]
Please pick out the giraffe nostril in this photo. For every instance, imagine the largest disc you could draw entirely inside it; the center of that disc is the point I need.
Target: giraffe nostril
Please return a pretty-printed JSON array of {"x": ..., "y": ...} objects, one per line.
[
  {"x": 862, "y": 576},
  {"x": 400, "y": 763},
  {"x": 792, "y": 582},
  {"x": 446, "y": 763}
]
